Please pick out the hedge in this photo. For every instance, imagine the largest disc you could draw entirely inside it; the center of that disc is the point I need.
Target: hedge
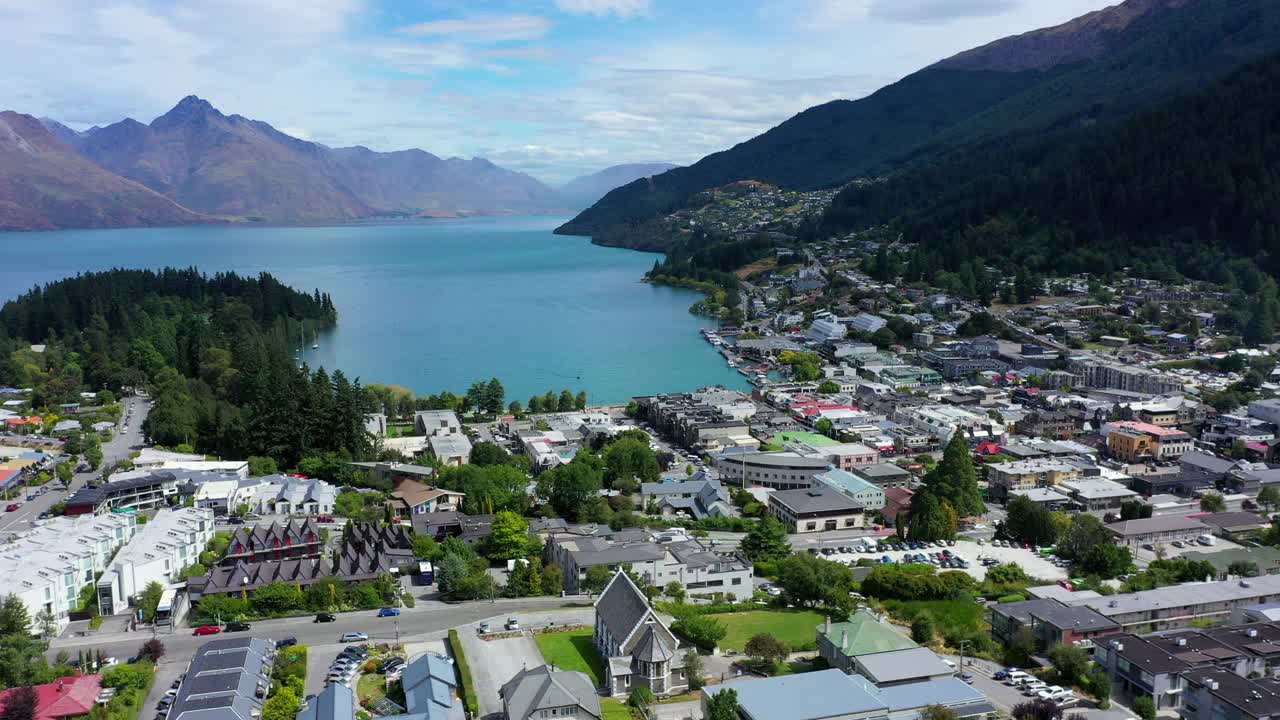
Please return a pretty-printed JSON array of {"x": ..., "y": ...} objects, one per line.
[{"x": 469, "y": 697}]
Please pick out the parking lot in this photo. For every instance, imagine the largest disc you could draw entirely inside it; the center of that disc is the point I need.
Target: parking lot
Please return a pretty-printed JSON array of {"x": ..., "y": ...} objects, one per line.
[
  {"x": 1143, "y": 556},
  {"x": 1031, "y": 562}
]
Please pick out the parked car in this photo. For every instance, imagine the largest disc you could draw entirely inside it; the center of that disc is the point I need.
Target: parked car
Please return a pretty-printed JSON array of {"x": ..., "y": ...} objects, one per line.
[
  {"x": 287, "y": 642},
  {"x": 388, "y": 612},
  {"x": 325, "y": 617},
  {"x": 11, "y": 507},
  {"x": 207, "y": 630},
  {"x": 390, "y": 663},
  {"x": 513, "y": 624},
  {"x": 483, "y": 627},
  {"x": 353, "y": 637},
  {"x": 237, "y": 626},
  {"x": 358, "y": 651}
]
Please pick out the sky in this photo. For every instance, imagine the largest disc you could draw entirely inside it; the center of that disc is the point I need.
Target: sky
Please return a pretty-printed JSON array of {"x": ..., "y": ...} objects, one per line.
[{"x": 555, "y": 88}]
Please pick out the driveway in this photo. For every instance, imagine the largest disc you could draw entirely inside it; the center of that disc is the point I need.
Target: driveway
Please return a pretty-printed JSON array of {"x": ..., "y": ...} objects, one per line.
[
  {"x": 1005, "y": 697},
  {"x": 494, "y": 662}
]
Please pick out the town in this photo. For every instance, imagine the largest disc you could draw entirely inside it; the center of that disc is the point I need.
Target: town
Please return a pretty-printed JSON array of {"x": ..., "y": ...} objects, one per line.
[{"x": 924, "y": 507}]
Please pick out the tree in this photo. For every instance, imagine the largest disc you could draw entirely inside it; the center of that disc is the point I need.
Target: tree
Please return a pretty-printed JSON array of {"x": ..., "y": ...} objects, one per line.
[
  {"x": 1212, "y": 503},
  {"x": 640, "y": 698},
  {"x": 552, "y": 580},
  {"x": 151, "y": 650},
  {"x": 276, "y": 597},
  {"x": 486, "y": 453},
  {"x": 509, "y": 537},
  {"x": 281, "y": 706},
  {"x": 828, "y": 387},
  {"x": 1020, "y": 648},
  {"x": 703, "y": 631},
  {"x": 675, "y": 591},
  {"x": 149, "y": 600},
  {"x": 1037, "y": 710},
  {"x": 629, "y": 462},
  {"x": 937, "y": 712},
  {"x": 1085, "y": 533},
  {"x": 425, "y": 548},
  {"x": 922, "y": 628},
  {"x": 812, "y": 581},
  {"x": 766, "y": 649},
  {"x": 1107, "y": 561},
  {"x": 1031, "y": 522},
  {"x": 766, "y": 540},
  {"x": 66, "y": 471},
  {"x": 569, "y": 489},
  {"x": 20, "y": 704},
  {"x": 1269, "y": 497},
  {"x": 1144, "y": 708},
  {"x": 693, "y": 669},
  {"x": 1070, "y": 662},
  {"x": 597, "y": 577},
  {"x": 723, "y": 705},
  {"x": 1137, "y": 510},
  {"x": 929, "y": 520},
  {"x": 262, "y": 466},
  {"x": 1243, "y": 568},
  {"x": 1100, "y": 684}
]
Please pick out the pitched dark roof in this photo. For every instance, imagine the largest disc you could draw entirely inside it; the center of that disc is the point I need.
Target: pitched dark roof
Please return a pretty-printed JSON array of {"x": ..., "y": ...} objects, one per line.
[
  {"x": 652, "y": 648},
  {"x": 621, "y": 606},
  {"x": 541, "y": 688}
]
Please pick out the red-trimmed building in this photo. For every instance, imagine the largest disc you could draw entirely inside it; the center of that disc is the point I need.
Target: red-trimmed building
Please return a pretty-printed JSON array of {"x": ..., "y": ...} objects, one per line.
[{"x": 67, "y": 697}]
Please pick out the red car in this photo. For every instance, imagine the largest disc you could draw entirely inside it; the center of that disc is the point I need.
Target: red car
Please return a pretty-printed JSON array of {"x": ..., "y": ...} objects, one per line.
[
  {"x": 324, "y": 518},
  {"x": 12, "y": 507},
  {"x": 207, "y": 630}
]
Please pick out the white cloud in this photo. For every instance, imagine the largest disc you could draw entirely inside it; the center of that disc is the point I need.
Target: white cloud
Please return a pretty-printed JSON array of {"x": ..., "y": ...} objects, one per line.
[
  {"x": 602, "y": 8},
  {"x": 483, "y": 28}
]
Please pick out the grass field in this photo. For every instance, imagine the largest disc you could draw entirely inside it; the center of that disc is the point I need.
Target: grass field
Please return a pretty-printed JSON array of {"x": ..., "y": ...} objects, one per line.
[
  {"x": 947, "y": 613},
  {"x": 796, "y": 628},
  {"x": 572, "y": 651},
  {"x": 614, "y": 709}
]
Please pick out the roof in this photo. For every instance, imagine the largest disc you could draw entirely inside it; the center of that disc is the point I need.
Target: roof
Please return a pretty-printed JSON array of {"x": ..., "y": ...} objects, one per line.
[
  {"x": 223, "y": 679},
  {"x": 429, "y": 687},
  {"x": 64, "y": 697},
  {"x": 1078, "y": 619},
  {"x": 1205, "y": 461},
  {"x": 881, "y": 470},
  {"x": 897, "y": 665},
  {"x": 543, "y": 687},
  {"x": 621, "y": 606},
  {"x": 819, "y": 498},
  {"x": 785, "y": 460},
  {"x": 1234, "y": 520},
  {"x": 1177, "y": 596},
  {"x": 950, "y": 692},
  {"x": 806, "y": 696},
  {"x": 846, "y": 481},
  {"x": 863, "y": 634},
  {"x": 652, "y": 648},
  {"x": 1144, "y": 526},
  {"x": 1041, "y": 495},
  {"x": 335, "y": 702},
  {"x": 1097, "y": 488}
]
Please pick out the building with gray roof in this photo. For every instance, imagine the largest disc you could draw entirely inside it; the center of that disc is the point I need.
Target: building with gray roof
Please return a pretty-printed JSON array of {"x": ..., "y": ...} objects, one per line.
[
  {"x": 816, "y": 509},
  {"x": 910, "y": 665},
  {"x": 227, "y": 679},
  {"x": 335, "y": 702},
  {"x": 829, "y": 694},
  {"x": 658, "y": 557},
  {"x": 1156, "y": 530},
  {"x": 638, "y": 647},
  {"x": 430, "y": 687},
  {"x": 538, "y": 693},
  {"x": 698, "y": 497}
]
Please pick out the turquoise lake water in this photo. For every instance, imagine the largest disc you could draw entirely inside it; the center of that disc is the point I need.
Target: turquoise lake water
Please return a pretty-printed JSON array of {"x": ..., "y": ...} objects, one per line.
[{"x": 434, "y": 305}]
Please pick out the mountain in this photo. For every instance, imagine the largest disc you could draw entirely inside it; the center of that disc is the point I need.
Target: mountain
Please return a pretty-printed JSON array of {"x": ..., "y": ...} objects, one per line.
[
  {"x": 1186, "y": 186},
  {"x": 584, "y": 190},
  {"x": 235, "y": 167},
  {"x": 1098, "y": 68},
  {"x": 60, "y": 131},
  {"x": 45, "y": 184}
]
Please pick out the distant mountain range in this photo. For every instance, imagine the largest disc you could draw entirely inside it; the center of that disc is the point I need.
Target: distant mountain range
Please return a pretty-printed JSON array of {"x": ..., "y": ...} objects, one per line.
[
  {"x": 195, "y": 164},
  {"x": 1098, "y": 68},
  {"x": 583, "y": 191}
]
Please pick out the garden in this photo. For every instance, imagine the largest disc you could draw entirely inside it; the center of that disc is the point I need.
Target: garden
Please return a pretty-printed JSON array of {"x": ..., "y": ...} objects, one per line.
[
  {"x": 572, "y": 650},
  {"x": 796, "y": 628}
]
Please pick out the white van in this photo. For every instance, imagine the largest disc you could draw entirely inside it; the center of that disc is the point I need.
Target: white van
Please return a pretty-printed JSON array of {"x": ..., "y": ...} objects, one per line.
[
  {"x": 1206, "y": 540},
  {"x": 1017, "y": 677}
]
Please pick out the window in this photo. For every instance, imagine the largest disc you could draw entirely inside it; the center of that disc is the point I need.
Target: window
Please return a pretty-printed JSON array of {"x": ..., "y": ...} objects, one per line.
[{"x": 737, "y": 581}]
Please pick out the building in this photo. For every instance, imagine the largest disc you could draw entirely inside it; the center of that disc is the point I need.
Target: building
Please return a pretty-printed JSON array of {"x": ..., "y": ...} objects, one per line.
[
  {"x": 886, "y": 476},
  {"x": 698, "y": 497},
  {"x": 1124, "y": 377},
  {"x": 228, "y": 679},
  {"x": 471, "y": 529},
  {"x": 1177, "y": 606},
  {"x": 844, "y": 456},
  {"x": 659, "y": 558},
  {"x": 454, "y": 449},
  {"x": 867, "y": 323},
  {"x": 1048, "y": 497},
  {"x": 777, "y": 470},
  {"x": 816, "y": 509},
  {"x": 638, "y": 648},
  {"x": 824, "y": 330},
  {"x": 430, "y": 687},
  {"x": 1265, "y": 558},
  {"x": 844, "y": 645},
  {"x": 436, "y": 423},
  {"x": 368, "y": 552},
  {"x": 1096, "y": 495},
  {"x": 1234, "y": 525},
  {"x": 709, "y": 419},
  {"x": 1153, "y": 530},
  {"x": 1050, "y": 621},
  {"x": 864, "y": 492},
  {"x": 1133, "y": 441},
  {"x": 543, "y": 692},
  {"x": 411, "y": 497},
  {"x": 1003, "y": 478},
  {"x": 143, "y": 492},
  {"x": 278, "y": 541},
  {"x": 287, "y": 495},
  {"x": 1050, "y": 424},
  {"x": 48, "y": 566},
  {"x": 832, "y": 695},
  {"x": 64, "y": 698},
  {"x": 157, "y": 552}
]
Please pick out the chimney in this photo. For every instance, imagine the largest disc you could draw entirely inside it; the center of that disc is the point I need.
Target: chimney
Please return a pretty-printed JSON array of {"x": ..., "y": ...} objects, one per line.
[{"x": 827, "y": 625}]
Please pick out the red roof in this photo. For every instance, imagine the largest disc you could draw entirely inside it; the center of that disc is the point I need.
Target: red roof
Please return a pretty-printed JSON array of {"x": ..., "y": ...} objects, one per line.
[{"x": 64, "y": 697}]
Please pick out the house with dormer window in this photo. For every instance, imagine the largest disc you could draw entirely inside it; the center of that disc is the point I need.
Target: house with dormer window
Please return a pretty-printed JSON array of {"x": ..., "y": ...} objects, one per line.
[{"x": 638, "y": 647}]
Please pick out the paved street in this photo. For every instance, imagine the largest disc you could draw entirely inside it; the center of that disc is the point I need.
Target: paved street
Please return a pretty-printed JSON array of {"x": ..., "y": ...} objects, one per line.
[
  {"x": 1005, "y": 697},
  {"x": 119, "y": 447}
]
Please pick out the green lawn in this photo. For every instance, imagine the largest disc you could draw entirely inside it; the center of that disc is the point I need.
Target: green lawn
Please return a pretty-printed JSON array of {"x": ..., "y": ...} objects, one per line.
[
  {"x": 371, "y": 687},
  {"x": 796, "y": 628},
  {"x": 965, "y": 614},
  {"x": 572, "y": 651},
  {"x": 615, "y": 709}
]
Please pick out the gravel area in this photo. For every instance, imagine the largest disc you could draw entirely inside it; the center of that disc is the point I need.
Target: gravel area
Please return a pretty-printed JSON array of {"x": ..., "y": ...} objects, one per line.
[{"x": 1035, "y": 565}]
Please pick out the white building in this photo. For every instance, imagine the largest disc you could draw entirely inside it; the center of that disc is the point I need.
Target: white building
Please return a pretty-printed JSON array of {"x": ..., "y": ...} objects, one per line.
[
  {"x": 451, "y": 449},
  {"x": 158, "y": 552},
  {"x": 823, "y": 330},
  {"x": 48, "y": 566},
  {"x": 437, "y": 422},
  {"x": 866, "y": 322},
  {"x": 287, "y": 495}
]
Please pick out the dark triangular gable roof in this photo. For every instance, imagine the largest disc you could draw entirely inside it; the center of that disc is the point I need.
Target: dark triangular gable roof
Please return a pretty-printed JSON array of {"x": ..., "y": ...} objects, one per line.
[{"x": 622, "y": 606}]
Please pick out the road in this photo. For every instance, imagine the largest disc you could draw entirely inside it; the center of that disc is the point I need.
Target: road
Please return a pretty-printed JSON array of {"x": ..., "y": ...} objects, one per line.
[
  {"x": 119, "y": 447},
  {"x": 1005, "y": 697}
]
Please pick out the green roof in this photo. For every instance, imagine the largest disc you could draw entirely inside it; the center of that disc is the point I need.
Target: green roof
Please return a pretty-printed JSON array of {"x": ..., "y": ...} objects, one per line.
[
  {"x": 808, "y": 438},
  {"x": 863, "y": 634}
]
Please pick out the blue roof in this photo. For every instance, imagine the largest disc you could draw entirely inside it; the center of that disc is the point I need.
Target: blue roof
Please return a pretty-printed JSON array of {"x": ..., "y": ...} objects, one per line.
[
  {"x": 846, "y": 481},
  {"x": 428, "y": 683},
  {"x": 948, "y": 692},
  {"x": 806, "y": 696},
  {"x": 336, "y": 702}
]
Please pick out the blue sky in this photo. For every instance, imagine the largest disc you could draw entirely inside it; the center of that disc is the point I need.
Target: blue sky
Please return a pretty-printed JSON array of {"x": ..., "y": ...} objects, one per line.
[{"x": 555, "y": 88}]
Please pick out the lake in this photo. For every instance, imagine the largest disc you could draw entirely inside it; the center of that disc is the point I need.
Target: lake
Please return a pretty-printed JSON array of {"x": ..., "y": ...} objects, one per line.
[{"x": 435, "y": 305}]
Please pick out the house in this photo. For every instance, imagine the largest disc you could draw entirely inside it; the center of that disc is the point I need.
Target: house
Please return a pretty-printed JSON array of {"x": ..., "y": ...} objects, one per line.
[
  {"x": 1051, "y": 622},
  {"x": 434, "y": 423},
  {"x": 411, "y": 497},
  {"x": 544, "y": 692},
  {"x": 698, "y": 497},
  {"x": 430, "y": 689},
  {"x": 862, "y": 635},
  {"x": 816, "y": 509},
  {"x": 638, "y": 647},
  {"x": 278, "y": 541},
  {"x": 452, "y": 449},
  {"x": 68, "y": 697},
  {"x": 143, "y": 491},
  {"x": 335, "y": 702},
  {"x": 450, "y": 523},
  {"x": 1234, "y": 525},
  {"x": 1264, "y": 557},
  {"x": 865, "y": 492},
  {"x": 227, "y": 679},
  {"x": 1096, "y": 495},
  {"x": 897, "y": 501},
  {"x": 658, "y": 557},
  {"x": 1148, "y": 531},
  {"x": 832, "y": 695}
]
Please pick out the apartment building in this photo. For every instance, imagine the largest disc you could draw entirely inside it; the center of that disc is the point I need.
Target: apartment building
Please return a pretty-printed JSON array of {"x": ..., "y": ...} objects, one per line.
[
  {"x": 816, "y": 509},
  {"x": 1124, "y": 377},
  {"x": 1156, "y": 530},
  {"x": 1003, "y": 478},
  {"x": 228, "y": 679},
  {"x": 157, "y": 552},
  {"x": 49, "y": 566},
  {"x": 777, "y": 470},
  {"x": 659, "y": 558},
  {"x": 140, "y": 492}
]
